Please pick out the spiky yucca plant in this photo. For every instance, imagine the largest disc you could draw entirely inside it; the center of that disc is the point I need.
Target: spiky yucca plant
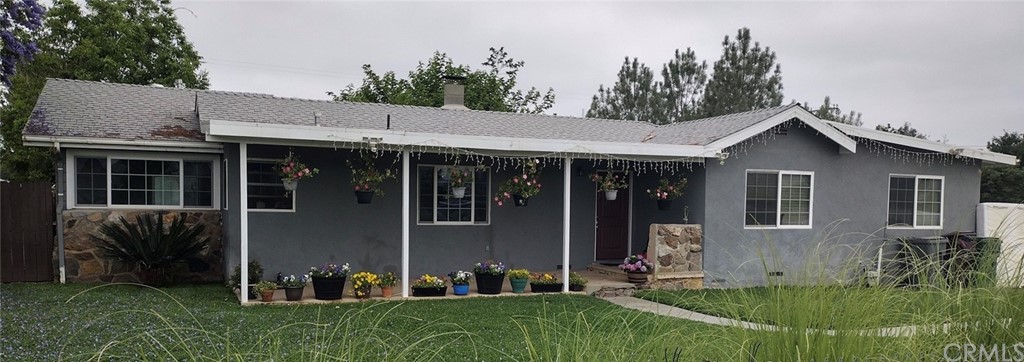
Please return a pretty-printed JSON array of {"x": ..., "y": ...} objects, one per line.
[{"x": 149, "y": 245}]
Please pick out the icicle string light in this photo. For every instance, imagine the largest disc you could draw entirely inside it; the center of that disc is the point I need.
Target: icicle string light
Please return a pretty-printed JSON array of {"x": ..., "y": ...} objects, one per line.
[{"x": 505, "y": 161}]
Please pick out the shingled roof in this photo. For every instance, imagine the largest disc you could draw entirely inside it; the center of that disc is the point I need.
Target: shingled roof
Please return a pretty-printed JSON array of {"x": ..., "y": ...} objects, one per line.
[{"x": 74, "y": 108}]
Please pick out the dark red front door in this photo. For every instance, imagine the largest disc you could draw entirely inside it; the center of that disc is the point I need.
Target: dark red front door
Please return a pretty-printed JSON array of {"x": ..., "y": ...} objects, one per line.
[{"x": 612, "y": 226}]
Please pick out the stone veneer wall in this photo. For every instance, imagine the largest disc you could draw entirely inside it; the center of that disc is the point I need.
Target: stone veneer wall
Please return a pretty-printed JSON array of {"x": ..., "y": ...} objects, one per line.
[
  {"x": 84, "y": 262},
  {"x": 677, "y": 255}
]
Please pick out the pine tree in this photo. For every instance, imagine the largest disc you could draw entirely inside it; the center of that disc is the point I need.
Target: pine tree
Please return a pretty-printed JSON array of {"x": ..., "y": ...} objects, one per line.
[
  {"x": 745, "y": 78},
  {"x": 683, "y": 81},
  {"x": 635, "y": 96}
]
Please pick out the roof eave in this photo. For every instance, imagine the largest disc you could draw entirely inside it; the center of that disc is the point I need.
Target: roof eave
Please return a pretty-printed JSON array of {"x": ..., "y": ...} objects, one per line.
[
  {"x": 112, "y": 143},
  {"x": 794, "y": 111},
  {"x": 914, "y": 142},
  {"x": 223, "y": 130}
]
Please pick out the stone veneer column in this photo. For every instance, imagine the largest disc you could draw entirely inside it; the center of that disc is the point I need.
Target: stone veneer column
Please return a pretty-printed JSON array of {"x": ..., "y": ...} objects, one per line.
[{"x": 677, "y": 253}]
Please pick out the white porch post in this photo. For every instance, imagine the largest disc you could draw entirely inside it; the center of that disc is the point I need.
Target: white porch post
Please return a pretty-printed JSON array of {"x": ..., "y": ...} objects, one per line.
[
  {"x": 243, "y": 212},
  {"x": 567, "y": 172},
  {"x": 405, "y": 223}
]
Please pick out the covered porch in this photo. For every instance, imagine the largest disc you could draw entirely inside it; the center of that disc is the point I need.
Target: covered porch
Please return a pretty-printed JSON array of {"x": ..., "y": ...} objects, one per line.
[{"x": 569, "y": 223}]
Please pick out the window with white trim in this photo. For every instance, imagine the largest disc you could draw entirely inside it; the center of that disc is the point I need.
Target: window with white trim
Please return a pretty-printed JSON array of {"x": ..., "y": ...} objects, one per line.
[
  {"x": 778, "y": 199},
  {"x": 437, "y": 202},
  {"x": 265, "y": 188},
  {"x": 115, "y": 181},
  {"x": 915, "y": 201}
]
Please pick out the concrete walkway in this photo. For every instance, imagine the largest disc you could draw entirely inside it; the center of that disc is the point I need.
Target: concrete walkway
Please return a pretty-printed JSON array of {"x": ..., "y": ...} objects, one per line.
[{"x": 676, "y": 312}]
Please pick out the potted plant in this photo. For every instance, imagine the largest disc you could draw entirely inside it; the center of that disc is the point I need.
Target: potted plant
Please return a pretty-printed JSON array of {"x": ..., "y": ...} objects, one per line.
[
  {"x": 666, "y": 192},
  {"x": 458, "y": 178},
  {"x": 521, "y": 186},
  {"x": 329, "y": 280},
  {"x": 387, "y": 284},
  {"x": 367, "y": 177},
  {"x": 518, "y": 278},
  {"x": 291, "y": 171},
  {"x": 577, "y": 282},
  {"x": 636, "y": 268},
  {"x": 460, "y": 281},
  {"x": 544, "y": 283},
  {"x": 265, "y": 289},
  {"x": 293, "y": 287},
  {"x": 429, "y": 286},
  {"x": 490, "y": 276},
  {"x": 255, "y": 274},
  {"x": 363, "y": 283},
  {"x": 609, "y": 183}
]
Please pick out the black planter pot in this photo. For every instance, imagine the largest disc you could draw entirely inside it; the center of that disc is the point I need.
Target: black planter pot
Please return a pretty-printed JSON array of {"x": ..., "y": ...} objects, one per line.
[
  {"x": 489, "y": 283},
  {"x": 545, "y": 288},
  {"x": 293, "y": 294},
  {"x": 429, "y": 292},
  {"x": 664, "y": 204},
  {"x": 364, "y": 197},
  {"x": 328, "y": 288},
  {"x": 520, "y": 201},
  {"x": 576, "y": 288}
]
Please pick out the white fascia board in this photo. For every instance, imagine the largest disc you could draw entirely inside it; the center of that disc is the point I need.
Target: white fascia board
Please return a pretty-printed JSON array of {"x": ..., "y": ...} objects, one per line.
[
  {"x": 106, "y": 143},
  {"x": 253, "y": 131},
  {"x": 793, "y": 112},
  {"x": 914, "y": 142}
]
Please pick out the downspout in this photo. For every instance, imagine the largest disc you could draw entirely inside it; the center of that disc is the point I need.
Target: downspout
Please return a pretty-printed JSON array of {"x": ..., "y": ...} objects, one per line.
[{"x": 59, "y": 210}]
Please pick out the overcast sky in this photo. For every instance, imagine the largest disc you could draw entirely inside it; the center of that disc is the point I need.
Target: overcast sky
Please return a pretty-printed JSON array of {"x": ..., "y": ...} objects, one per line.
[{"x": 954, "y": 70}]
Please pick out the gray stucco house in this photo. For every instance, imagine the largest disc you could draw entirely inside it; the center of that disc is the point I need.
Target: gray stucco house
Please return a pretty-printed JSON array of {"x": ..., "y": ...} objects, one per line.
[{"x": 778, "y": 174}]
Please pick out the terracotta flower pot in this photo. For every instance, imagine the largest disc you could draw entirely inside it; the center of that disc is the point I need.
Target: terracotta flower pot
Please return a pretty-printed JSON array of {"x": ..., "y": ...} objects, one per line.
[
  {"x": 387, "y": 292},
  {"x": 268, "y": 296}
]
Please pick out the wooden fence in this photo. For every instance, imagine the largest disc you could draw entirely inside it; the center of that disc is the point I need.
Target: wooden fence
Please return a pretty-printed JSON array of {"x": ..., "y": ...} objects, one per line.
[{"x": 26, "y": 231}]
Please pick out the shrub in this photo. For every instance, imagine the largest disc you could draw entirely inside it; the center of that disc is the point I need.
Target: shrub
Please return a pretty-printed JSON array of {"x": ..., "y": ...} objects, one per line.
[{"x": 151, "y": 246}]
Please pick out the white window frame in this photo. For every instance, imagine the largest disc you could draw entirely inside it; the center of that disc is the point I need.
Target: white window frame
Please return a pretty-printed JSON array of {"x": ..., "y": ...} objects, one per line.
[
  {"x": 70, "y": 179},
  {"x": 469, "y": 193},
  {"x": 295, "y": 194},
  {"x": 778, "y": 200},
  {"x": 942, "y": 201}
]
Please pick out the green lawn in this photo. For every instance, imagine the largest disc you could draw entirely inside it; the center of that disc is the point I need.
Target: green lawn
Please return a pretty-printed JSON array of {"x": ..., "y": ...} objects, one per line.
[{"x": 42, "y": 322}]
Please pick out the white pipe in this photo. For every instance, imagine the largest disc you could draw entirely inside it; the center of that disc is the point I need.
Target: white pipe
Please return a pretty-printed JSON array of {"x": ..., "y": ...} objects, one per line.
[
  {"x": 243, "y": 212},
  {"x": 567, "y": 172},
  {"x": 405, "y": 223}
]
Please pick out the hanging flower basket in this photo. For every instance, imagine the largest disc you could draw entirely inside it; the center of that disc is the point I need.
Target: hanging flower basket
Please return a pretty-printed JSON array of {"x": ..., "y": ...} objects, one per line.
[
  {"x": 292, "y": 170},
  {"x": 611, "y": 195},
  {"x": 458, "y": 178},
  {"x": 666, "y": 192},
  {"x": 521, "y": 186},
  {"x": 364, "y": 197},
  {"x": 367, "y": 177},
  {"x": 610, "y": 183},
  {"x": 664, "y": 204},
  {"x": 458, "y": 192}
]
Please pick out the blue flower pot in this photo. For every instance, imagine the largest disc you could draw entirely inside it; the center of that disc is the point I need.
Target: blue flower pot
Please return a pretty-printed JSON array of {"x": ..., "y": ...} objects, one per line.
[{"x": 461, "y": 289}]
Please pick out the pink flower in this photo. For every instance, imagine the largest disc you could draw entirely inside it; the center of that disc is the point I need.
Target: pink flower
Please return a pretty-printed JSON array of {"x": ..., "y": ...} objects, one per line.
[
  {"x": 507, "y": 195},
  {"x": 499, "y": 203},
  {"x": 527, "y": 183},
  {"x": 538, "y": 186},
  {"x": 357, "y": 187},
  {"x": 515, "y": 179},
  {"x": 524, "y": 176},
  {"x": 291, "y": 164},
  {"x": 306, "y": 171},
  {"x": 496, "y": 199}
]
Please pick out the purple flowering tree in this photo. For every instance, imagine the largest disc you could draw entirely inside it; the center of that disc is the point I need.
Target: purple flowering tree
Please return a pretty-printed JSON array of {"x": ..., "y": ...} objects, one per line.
[{"x": 20, "y": 20}]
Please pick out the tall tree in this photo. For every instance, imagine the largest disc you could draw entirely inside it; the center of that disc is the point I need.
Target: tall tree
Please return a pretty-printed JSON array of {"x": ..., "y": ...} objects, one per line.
[
  {"x": 125, "y": 41},
  {"x": 830, "y": 112},
  {"x": 745, "y": 78},
  {"x": 492, "y": 88},
  {"x": 683, "y": 81},
  {"x": 906, "y": 129},
  {"x": 20, "y": 21},
  {"x": 1004, "y": 183},
  {"x": 635, "y": 96}
]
